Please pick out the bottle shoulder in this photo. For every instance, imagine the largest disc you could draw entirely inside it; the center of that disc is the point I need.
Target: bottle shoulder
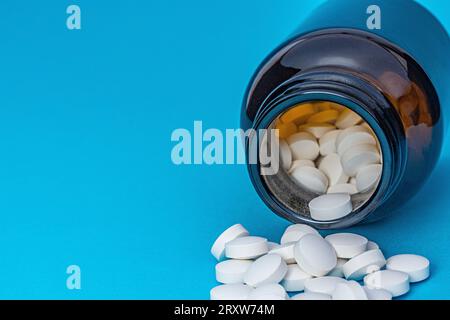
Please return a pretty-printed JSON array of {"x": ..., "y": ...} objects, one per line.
[{"x": 355, "y": 52}]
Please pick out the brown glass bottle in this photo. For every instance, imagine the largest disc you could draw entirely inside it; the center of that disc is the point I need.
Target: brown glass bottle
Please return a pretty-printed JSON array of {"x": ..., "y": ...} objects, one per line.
[{"x": 373, "y": 77}]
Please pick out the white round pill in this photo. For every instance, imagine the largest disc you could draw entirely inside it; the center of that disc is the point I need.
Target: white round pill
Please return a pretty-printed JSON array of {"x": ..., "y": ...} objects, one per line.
[
  {"x": 337, "y": 271},
  {"x": 396, "y": 282},
  {"x": 348, "y": 131},
  {"x": 417, "y": 267},
  {"x": 343, "y": 188},
  {"x": 286, "y": 251},
  {"x": 347, "y": 245},
  {"x": 246, "y": 248},
  {"x": 304, "y": 146},
  {"x": 367, "y": 177},
  {"x": 347, "y": 118},
  {"x": 295, "y": 278},
  {"x": 377, "y": 294},
  {"x": 372, "y": 246},
  {"x": 331, "y": 166},
  {"x": 285, "y": 155},
  {"x": 324, "y": 285},
  {"x": 311, "y": 296},
  {"x": 354, "y": 139},
  {"x": 272, "y": 245},
  {"x": 359, "y": 157},
  {"x": 232, "y": 271},
  {"x": 367, "y": 262},
  {"x": 330, "y": 207},
  {"x": 311, "y": 179},
  {"x": 327, "y": 143},
  {"x": 272, "y": 291},
  {"x": 301, "y": 163},
  {"x": 270, "y": 268},
  {"x": 294, "y": 232},
  {"x": 233, "y": 232},
  {"x": 315, "y": 255},
  {"x": 230, "y": 292},
  {"x": 318, "y": 130},
  {"x": 350, "y": 290}
]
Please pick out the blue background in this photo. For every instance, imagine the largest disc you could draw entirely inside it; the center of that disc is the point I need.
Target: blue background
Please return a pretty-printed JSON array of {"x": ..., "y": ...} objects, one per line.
[{"x": 86, "y": 176}]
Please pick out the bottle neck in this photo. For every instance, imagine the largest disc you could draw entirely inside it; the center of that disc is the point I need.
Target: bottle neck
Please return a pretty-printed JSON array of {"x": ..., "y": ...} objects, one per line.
[{"x": 358, "y": 95}]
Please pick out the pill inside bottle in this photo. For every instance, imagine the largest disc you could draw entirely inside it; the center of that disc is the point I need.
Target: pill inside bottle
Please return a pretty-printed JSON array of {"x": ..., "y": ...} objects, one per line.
[{"x": 324, "y": 148}]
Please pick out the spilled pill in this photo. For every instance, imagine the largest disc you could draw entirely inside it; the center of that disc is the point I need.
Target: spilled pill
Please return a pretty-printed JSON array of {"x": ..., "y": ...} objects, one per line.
[
  {"x": 295, "y": 278},
  {"x": 270, "y": 291},
  {"x": 230, "y": 292},
  {"x": 377, "y": 294},
  {"x": 347, "y": 245},
  {"x": 324, "y": 268},
  {"x": 294, "y": 232},
  {"x": 268, "y": 269},
  {"x": 372, "y": 246},
  {"x": 311, "y": 296},
  {"x": 337, "y": 271},
  {"x": 233, "y": 232},
  {"x": 232, "y": 271},
  {"x": 417, "y": 267},
  {"x": 323, "y": 285},
  {"x": 286, "y": 251},
  {"x": 396, "y": 282},
  {"x": 246, "y": 248},
  {"x": 350, "y": 290},
  {"x": 315, "y": 255},
  {"x": 272, "y": 245},
  {"x": 365, "y": 263}
]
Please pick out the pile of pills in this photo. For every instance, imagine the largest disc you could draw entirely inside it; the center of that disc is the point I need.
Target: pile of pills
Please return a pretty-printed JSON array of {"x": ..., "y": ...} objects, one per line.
[
  {"x": 341, "y": 266},
  {"x": 328, "y": 149}
]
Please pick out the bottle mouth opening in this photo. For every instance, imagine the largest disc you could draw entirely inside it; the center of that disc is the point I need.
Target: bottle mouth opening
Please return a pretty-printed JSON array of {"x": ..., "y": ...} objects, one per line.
[
  {"x": 322, "y": 143},
  {"x": 323, "y": 148}
]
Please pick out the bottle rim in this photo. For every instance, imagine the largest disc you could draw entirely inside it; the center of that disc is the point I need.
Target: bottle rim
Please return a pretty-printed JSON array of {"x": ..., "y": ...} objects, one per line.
[{"x": 358, "y": 95}]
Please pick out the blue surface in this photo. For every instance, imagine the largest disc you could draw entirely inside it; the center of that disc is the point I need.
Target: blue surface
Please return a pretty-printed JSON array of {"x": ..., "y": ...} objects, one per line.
[{"x": 85, "y": 172}]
